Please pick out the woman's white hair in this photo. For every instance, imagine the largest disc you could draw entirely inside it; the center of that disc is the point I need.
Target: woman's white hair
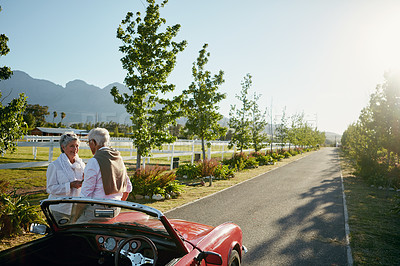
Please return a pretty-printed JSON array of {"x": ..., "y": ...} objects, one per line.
[
  {"x": 66, "y": 138},
  {"x": 100, "y": 135}
]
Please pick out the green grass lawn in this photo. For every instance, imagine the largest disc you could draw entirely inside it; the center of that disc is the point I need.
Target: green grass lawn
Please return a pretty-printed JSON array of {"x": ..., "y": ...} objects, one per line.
[
  {"x": 34, "y": 180},
  {"x": 374, "y": 227}
]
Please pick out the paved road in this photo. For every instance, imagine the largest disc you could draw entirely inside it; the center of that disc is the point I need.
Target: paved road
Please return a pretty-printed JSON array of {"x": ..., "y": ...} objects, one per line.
[{"x": 292, "y": 215}]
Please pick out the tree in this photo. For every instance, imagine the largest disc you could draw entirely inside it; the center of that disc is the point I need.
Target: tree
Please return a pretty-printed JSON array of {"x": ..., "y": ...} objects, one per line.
[
  {"x": 150, "y": 57},
  {"x": 201, "y": 103},
  {"x": 35, "y": 115},
  {"x": 12, "y": 125},
  {"x": 258, "y": 125},
  {"x": 62, "y": 117},
  {"x": 282, "y": 130},
  {"x": 5, "y": 72},
  {"x": 384, "y": 109},
  {"x": 240, "y": 119},
  {"x": 54, "y": 115},
  {"x": 296, "y": 133}
]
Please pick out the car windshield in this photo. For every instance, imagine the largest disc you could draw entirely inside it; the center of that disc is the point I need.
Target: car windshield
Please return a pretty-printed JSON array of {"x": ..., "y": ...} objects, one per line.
[{"x": 67, "y": 214}]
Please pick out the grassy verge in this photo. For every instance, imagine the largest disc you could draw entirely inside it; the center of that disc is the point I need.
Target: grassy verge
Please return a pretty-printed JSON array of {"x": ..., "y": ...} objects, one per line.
[
  {"x": 190, "y": 193},
  {"x": 374, "y": 227}
]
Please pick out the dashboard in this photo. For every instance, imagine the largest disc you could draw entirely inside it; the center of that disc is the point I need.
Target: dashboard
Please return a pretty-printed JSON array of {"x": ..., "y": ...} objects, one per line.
[{"x": 110, "y": 243}]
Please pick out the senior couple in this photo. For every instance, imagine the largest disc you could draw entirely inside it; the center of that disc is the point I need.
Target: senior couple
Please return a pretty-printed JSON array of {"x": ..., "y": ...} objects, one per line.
[{"x": 104, "y": 176}]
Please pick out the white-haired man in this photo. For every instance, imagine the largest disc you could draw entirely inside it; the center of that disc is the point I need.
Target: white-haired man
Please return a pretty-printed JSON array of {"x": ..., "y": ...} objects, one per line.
[{"x": 105, "y": 174}]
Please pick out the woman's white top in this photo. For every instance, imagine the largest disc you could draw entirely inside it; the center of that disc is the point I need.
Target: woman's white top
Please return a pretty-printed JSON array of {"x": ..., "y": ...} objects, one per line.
[{"x": 60, "y": 173}]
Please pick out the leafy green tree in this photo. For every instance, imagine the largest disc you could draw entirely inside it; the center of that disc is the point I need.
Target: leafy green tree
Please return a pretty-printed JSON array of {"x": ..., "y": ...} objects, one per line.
[
  {"x": 384, "y": 108},
  {"x": 282, "y": 130},
  {"x": 201, "y": 103},
  {"x": 62, "y": 117},
  {"x": 54, "y": 115},
  {"x": 12, "y": 125},
  {"x": 116, "y": 131},
  {"x": 5, "y": 72},
  {"x": 38, "y": 112},
  {"x": 372, "y": 142},
  {"x": 296, "y": 134},
  {"x": 150, "y": 57},
  {"x": 240, "y": 119},
  {"x": 176, "y": 130},
  {"x": 258, "y": 125}
]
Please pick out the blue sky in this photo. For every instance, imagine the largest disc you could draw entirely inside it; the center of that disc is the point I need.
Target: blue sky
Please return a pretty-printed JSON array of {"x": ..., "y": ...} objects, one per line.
[{"x": 323, "y": 58}]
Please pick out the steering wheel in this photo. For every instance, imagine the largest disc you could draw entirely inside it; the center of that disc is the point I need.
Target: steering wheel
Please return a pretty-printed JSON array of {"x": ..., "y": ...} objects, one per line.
[{"x": 136, "y": 259}]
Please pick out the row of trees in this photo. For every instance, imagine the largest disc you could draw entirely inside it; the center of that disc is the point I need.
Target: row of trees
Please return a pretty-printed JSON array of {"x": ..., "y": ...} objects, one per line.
[
  {"x": 373, "y": 141},
  {"x": 296, "y": 131},
  {"x": 149, "y": 58},
  {"x": 35, "y": 116}
]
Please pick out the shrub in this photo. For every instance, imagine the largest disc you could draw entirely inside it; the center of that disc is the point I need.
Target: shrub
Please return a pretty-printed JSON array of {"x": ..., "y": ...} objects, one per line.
[
  {"x": 207, "y": 167},
  {"x": 287, "y": 154},
  {"x": 189, "y": 171},
  {"x": 251, "y": 162},
  {"x": 277, "y": 156},
  {"x": 262, "y": 159},
  {"x": 16, "y": 214},
  {"x": 154, "y": 180},
  {"x": 237, "y": 161},
  {"x": 224, "y": 172}
]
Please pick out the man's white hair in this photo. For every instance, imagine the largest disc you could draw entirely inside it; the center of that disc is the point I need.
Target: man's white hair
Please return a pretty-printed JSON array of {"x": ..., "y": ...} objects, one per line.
[{"x": 100, "y": 135}]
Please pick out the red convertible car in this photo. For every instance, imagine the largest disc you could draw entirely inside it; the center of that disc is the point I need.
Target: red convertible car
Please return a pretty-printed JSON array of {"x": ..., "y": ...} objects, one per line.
[{"x": 84, "y": 231}]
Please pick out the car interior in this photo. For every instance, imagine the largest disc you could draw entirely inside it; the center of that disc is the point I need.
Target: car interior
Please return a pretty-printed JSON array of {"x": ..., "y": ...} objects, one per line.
[{"x": 93, "y": 247}]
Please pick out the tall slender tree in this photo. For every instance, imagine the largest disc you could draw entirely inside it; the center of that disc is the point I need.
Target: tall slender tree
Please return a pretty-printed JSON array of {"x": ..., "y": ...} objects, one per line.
[
  {"x": 201, "y": 103},
  {"x": 12, "y": 125},
  {"x": 282, "y": 130},
  {"x": 54, "y": 115},
  {"x": 240, "y": 118},
  {"x": 150, "y": 57},
  {"x": 258, "y": 125},
  {"x": 62, "y": 117}
]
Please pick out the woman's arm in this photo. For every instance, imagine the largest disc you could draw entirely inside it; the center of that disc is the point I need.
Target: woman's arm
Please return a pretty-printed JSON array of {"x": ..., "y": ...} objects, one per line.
[{"x": 57, "y": 183}]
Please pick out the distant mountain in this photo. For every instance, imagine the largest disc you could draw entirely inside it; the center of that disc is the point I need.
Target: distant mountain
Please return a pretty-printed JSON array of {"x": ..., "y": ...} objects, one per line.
[
  {"x": 331, "y": 138},
  {"x": 80, "y": 101}
]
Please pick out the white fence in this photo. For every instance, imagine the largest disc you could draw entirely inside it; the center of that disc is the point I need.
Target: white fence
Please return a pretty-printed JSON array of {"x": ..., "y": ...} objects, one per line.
[{"x": 170, "y": 151}]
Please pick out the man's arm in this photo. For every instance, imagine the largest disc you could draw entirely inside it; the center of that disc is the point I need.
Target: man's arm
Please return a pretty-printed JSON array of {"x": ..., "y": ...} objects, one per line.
[{"x": 92, "y": 171}]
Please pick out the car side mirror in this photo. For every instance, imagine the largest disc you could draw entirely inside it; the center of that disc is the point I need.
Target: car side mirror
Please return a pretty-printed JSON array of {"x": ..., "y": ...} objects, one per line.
[
  {"x": 40, "y": 229},
  {"x": 210, "y": 258}
]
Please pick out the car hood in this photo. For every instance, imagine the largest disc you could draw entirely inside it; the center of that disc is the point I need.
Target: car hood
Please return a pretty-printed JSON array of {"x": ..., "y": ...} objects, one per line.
[{"x": 190, "y": 231}]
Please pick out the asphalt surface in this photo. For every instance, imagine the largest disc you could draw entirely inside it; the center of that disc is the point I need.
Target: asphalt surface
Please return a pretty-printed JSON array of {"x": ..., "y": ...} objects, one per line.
[{"x": 292, "y": 215}]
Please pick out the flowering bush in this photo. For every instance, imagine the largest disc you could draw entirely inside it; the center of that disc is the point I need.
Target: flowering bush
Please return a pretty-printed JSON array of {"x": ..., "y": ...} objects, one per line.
[{"x": 207, "y": 167}]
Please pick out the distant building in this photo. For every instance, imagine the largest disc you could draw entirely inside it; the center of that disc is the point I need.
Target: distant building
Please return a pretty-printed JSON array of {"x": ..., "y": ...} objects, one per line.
[{"x": 47, "y": 131}]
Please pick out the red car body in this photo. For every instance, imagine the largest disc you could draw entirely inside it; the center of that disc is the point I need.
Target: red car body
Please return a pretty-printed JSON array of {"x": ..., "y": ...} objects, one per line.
[{"x": 95, "y": 232}]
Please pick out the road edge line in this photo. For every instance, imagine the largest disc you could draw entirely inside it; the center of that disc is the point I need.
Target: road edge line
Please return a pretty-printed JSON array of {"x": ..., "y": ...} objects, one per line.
[{"x": 346, "y": 220}]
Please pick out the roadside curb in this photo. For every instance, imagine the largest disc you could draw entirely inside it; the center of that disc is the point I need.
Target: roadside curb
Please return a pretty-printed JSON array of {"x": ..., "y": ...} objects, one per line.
[{"x": 346, "y": 220}]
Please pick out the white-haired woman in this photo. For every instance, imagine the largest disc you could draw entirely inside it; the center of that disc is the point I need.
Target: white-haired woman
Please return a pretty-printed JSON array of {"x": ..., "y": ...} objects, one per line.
[
  {"x": 65, "y": 175},
  {"x": 105, "y": 173}
]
